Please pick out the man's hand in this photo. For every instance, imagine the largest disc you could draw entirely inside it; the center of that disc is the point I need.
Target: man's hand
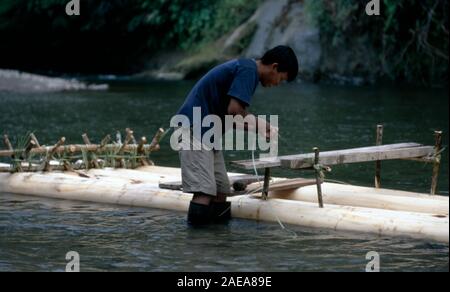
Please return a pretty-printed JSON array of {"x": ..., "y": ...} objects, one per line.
[{"x": 271, "y": 132}]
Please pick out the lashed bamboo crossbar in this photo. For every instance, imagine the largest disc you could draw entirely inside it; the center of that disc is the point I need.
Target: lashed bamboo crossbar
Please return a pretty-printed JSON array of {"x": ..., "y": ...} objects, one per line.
[
  {"x": 362, "y": 154},
  {"x": 84, "y": 147},
  {"x": 24, "y": 158},
  {"x": 80, "y": 147}
]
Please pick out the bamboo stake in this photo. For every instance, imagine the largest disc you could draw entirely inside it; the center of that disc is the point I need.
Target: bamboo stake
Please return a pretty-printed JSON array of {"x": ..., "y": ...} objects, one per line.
[
  {"x": 318, "y": 178},
  {"x": 47, "y": 166},
  {"x": 30, "y": 146},
  {"x": 118, "y": 137},
  {"x": 34, "y": 141},
  {"x": 437, "y": 161},
  {"x": 7, "y": 142},
  {"x": 105, "y": 141},
  {"x": 94, "y": 157},
  {"x": 133, "y": 140},
  {"x": 379, "y": 141},
  {"x": 265, "y": 192},
  {"x": 127, "y": 141},
  {"x": 154, "y": 146},
  {"x": 10, "y": 148},
  {"x": 140, "y": 151}
]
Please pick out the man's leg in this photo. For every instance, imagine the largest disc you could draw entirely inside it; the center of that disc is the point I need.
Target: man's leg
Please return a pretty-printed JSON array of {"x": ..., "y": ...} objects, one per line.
[
  {"x": 221, "y": 208},
  {"x": 200, "y": 210},
  {"x": 202, "y": 199},
  {"x": 221, "y": 197},
  {"x": 197, "y": 170}
]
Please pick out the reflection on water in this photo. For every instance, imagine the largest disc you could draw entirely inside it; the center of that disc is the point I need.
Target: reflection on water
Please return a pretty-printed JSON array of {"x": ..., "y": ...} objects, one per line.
[{"x": 36, "y": 233}]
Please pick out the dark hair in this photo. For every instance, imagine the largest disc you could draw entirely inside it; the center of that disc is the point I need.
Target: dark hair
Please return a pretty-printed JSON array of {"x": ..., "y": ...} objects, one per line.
[{"x": 286, "y": 59}]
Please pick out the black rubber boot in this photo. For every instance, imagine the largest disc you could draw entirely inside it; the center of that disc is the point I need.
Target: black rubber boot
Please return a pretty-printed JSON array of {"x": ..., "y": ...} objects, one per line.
[
  {"x": 221, "y": 212},
  {"x": 199, "y": 214}
]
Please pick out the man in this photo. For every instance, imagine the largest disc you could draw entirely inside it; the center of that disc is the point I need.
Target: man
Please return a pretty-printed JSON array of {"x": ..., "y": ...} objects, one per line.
[{"x": 227, "y": 90}]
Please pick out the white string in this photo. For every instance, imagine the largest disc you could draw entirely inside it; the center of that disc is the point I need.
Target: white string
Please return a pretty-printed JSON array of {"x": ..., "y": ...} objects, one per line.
[
  {"x": 270, "y": 209},
  {"x": 254, "y": 167}
]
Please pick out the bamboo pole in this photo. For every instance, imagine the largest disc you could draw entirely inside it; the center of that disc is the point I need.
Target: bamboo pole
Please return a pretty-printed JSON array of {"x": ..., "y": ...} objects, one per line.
[
  {"x": 318, "y": 178},
  {"x": 379, "y": 141},
  {"x": 437, "y": 161},
  {"x": 334, "y": 217}
]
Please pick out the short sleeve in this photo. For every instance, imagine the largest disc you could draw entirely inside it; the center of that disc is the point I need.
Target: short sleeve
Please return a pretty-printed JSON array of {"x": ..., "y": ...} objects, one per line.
[{"x": 244, "y": 84}]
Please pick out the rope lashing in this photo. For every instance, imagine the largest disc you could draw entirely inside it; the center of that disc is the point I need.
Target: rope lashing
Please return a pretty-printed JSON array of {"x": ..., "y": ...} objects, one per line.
[{"x": 321, "y": 169}]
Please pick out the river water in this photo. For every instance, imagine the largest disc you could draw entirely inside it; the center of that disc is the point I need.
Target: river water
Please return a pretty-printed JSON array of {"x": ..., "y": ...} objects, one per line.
[{"x": 36, "y": 233}]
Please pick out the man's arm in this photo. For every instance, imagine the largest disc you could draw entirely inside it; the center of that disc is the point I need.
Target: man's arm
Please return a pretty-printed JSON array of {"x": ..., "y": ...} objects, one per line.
[{"x": 236, "y": 108}]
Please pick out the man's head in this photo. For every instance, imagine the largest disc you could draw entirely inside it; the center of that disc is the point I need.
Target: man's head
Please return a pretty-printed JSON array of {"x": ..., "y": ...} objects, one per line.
[{"x": 277, "y": 65}]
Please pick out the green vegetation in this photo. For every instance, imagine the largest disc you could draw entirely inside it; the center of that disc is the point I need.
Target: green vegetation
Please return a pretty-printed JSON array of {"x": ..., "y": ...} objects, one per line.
[
  {"x": 409, "y": 42},
  {"x": 111, "y": 34},
  {"x": 192, "y": 23},
  {"x": 410, "y": 38}
]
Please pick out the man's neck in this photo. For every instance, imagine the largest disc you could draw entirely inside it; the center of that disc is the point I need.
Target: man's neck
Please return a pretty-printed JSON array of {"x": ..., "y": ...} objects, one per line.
[{"x": 260, "y": 68}]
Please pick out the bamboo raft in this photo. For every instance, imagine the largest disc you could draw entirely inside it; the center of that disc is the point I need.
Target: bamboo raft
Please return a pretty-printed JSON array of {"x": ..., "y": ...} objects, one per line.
[{"x": 377, "y": 211}]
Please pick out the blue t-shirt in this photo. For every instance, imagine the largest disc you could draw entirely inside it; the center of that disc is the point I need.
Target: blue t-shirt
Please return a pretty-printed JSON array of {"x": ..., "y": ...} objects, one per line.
[{"x": 236, "y": 78}]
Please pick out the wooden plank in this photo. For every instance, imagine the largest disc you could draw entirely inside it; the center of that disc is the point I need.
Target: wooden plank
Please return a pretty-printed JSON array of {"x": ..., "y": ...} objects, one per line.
[
  {"x": 239, "y": 181},
  {"x": 347, "y": 156},
  {"x": 176, "y": 185},
  {"x": 259, "y": 163},
  {"x": 369, "y": 149},
  {"x": 276, "y": 162}
]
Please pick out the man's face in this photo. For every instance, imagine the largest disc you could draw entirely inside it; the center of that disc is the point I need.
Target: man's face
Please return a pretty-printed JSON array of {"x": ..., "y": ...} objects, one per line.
[{"x": 272, "y": 77}]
